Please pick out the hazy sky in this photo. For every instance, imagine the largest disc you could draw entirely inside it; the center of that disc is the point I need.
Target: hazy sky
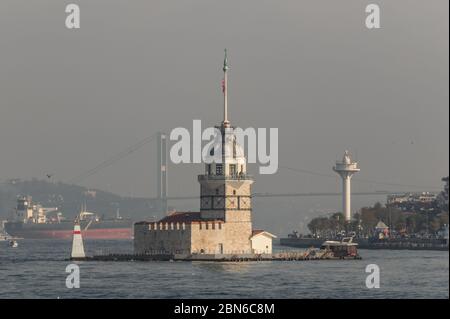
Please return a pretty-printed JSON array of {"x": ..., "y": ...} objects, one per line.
[{"x": 70, "y": 99}]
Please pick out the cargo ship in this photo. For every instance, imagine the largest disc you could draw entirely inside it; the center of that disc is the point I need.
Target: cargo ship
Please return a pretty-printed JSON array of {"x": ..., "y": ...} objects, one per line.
[{"x": 31, "y": 220}]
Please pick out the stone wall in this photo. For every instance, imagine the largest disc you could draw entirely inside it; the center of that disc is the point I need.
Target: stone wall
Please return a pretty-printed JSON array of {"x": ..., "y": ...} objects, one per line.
[
  {"x": 210, "y": 237},
  {"x": 151, "y": 238},
  {"x": 238, "y": 233}
]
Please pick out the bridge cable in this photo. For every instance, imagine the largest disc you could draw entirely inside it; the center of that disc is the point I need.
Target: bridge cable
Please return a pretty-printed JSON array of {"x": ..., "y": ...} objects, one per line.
[{"x": 111, "y": 160}]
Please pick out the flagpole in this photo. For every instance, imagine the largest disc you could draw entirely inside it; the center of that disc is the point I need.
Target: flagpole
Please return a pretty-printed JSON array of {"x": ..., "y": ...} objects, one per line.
[{"x": 225, "y": 91}]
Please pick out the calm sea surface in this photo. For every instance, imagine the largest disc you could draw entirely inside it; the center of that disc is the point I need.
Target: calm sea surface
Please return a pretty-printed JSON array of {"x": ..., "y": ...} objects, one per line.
[{"x": 36, "y": 269}]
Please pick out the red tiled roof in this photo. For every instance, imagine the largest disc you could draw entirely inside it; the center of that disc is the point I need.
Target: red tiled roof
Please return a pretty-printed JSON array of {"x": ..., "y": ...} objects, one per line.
[
  {"x": 256, "y": 231},
  {"x": 259, "y": 231},
  {"x": 142, "y": 222},
  {"x": 180, "y": 217}
]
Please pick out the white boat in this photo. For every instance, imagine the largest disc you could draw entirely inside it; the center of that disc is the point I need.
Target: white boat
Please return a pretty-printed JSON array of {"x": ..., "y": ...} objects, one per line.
[
  {"x": 343, "y": 249},
  {"x": 13, "y": 243}
]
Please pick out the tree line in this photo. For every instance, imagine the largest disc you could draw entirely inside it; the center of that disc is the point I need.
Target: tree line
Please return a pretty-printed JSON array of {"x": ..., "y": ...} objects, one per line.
[{"x": 364, "y": 222}]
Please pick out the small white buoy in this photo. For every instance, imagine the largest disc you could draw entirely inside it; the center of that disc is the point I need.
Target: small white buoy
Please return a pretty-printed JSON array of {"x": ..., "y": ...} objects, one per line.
[{"x": 77, "y": 243}]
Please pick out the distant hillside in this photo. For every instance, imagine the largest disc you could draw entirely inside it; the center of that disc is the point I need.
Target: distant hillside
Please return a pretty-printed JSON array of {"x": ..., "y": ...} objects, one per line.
[{"x": 69, "y": 198}]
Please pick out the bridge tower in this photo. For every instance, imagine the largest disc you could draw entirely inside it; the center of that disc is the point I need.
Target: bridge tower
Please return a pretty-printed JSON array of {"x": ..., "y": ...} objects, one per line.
[{"x": 162, "y": 185}]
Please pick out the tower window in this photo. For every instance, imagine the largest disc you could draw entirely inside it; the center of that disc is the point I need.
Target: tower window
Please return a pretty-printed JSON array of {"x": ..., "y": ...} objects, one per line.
[
  {"x": 217, "y": 191},
  {"x": 233, "y": 170},
  {"x": 209, "y": 169},
  {"x": 219, "y": 169},
  {"x": 234, "y": 192}
]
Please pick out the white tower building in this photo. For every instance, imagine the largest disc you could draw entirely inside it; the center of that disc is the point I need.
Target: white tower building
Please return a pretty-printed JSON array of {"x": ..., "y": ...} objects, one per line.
[
  {"x": 224, "y": 223},
  {"x": 346, "y": 169},
  {"x": 225, "y": 187}
]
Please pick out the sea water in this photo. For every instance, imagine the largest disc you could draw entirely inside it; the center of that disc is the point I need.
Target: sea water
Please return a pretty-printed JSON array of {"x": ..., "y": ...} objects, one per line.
[{"x": 37, "y": 269}]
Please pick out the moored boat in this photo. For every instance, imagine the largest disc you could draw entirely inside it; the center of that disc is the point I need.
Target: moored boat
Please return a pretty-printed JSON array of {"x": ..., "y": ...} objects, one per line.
[{"x": 344, "y": 249}]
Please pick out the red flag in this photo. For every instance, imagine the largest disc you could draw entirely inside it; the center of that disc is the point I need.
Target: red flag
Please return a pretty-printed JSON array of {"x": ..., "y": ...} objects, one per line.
[{"x": 223, "y": 86}]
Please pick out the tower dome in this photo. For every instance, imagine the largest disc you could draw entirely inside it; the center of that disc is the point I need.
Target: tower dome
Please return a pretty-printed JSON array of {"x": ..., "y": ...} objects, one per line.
[
  {"x": 225, "y": 156},
  {"x": 229, "y": 147}
]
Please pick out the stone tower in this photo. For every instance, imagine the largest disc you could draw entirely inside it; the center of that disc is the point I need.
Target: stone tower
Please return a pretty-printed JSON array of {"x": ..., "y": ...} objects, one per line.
[
  {"x": 224, "y": 224},
  {"x": 225, "y": 187}
]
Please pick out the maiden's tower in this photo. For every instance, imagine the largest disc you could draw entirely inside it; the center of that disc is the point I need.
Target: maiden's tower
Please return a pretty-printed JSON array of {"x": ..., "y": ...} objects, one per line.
[{"x": 224, "y": 223}]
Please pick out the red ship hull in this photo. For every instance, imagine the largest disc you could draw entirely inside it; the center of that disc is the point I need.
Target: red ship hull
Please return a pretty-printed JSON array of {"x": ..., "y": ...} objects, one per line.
[
  {"x": 108, "y": 229},
  {"x": 105, "y": 233}
]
